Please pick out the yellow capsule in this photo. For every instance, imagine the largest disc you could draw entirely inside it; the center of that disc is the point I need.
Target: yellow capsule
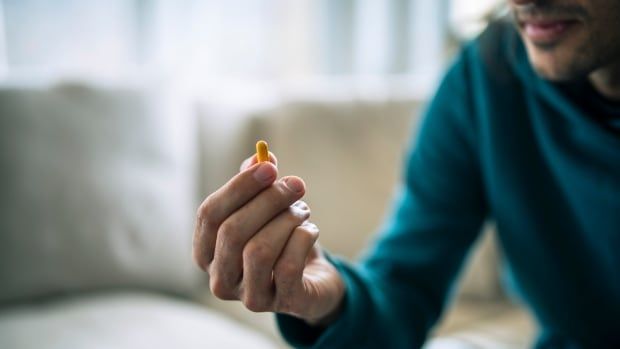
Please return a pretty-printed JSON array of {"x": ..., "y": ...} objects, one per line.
[{"x": 262, "y": 151}]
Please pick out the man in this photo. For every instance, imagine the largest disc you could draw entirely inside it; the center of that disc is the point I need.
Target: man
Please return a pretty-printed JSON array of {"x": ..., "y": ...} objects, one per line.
[{"x": 524, "y": 129}]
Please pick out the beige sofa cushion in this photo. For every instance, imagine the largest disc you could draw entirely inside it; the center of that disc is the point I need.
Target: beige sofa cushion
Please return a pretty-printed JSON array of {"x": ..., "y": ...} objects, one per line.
[
  {"x": 96, "y": 190},
  {"x": 126, "y": 320}
]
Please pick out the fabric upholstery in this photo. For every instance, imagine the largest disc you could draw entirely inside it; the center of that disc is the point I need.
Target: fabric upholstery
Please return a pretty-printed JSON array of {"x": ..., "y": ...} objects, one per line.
[
  {"x": 122, "y": 321},
  {"x": 97, "y": 186}
]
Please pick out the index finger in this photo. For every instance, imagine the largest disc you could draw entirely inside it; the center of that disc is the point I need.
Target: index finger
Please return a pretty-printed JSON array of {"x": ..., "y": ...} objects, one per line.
[
  {"x": 237, "y": 192},
  {"x": 223, "y": 202}
]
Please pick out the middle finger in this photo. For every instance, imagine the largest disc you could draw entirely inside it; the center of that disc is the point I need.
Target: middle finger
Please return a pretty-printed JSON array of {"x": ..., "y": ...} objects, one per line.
[{"x": 237, "y": 229}]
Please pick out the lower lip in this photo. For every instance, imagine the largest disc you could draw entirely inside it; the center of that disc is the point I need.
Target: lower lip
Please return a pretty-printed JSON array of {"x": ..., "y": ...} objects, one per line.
[{"x": 547, "y": 33}]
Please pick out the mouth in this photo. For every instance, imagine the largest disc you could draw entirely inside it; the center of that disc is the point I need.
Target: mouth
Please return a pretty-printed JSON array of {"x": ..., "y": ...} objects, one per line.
[{"x": 546, "y": 32}]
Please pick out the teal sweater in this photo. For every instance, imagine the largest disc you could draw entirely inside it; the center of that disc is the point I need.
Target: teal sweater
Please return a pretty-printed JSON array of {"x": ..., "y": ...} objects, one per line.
[{"x": 497, "y": 142}]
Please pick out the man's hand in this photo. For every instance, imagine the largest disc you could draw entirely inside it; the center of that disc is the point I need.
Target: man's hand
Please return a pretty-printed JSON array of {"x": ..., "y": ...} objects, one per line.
[{"x": 254, "y": 239}]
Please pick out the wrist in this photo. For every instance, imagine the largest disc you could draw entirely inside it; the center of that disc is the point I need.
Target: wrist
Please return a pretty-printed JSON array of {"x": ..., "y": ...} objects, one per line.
[
  {"x": 328, "y": 319},
  {"x": 334, "y": 311}
]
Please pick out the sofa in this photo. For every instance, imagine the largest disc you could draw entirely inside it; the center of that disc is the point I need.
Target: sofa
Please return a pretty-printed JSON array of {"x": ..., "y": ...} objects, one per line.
[{"x": 100, "y": 183}]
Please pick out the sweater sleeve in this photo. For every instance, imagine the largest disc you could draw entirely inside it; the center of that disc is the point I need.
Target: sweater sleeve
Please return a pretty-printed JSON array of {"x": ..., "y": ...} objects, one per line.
[{"x": 396, "y": 293}]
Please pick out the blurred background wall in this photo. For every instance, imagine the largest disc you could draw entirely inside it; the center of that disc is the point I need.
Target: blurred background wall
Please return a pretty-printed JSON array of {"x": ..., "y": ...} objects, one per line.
[
  {"x": 248, "y": 40},
  {"x": 236, "y": 57}
]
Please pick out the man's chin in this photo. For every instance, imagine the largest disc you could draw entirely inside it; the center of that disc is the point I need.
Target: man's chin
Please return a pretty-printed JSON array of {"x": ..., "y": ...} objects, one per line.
[
  {"x": 550, "y": 64},
  {"x": 559, "y": 60},
  {"x": 552, "y": 74}
]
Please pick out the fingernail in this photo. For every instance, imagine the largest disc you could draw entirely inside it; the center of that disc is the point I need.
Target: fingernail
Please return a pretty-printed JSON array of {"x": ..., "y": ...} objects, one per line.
[
  {"x": 264, "y": 173},
  {"x": 295, "y": 184}
]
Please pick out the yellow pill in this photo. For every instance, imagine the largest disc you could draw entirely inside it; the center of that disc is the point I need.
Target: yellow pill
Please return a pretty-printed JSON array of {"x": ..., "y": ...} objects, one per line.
[{"x": 262, "y": 151}]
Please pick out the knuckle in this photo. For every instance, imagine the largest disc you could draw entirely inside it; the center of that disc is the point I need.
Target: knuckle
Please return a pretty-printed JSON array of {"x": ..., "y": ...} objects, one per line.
[
  {"x": 302, "y": 205},
  {"x": 205, "y": 214},
  {"x": 229, "y": 233},
  {"x": 255, "y": 304},
  {"x": 203, "y": 238},
  {"x": 196, "y": 246},
  {"x": 205, "y": 208},
  {"x": 219, "y": 288},
  {"x": 198, "y": 258},
  {"x": 296, "y": 215},
  {"x": 286, "y": 269},
  {"x": 258, "y": 253},
  {"x": 284, "y": 307},
  {"x": 229, "y": 227},
  {"x": 309, "y": 232},
  {"x": 201, "y": 213},
  {"x": 286, "y": 304}
]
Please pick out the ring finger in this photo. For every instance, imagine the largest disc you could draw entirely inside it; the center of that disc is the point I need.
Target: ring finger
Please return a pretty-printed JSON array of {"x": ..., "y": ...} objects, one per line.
[{"x": 261, "y": 253}]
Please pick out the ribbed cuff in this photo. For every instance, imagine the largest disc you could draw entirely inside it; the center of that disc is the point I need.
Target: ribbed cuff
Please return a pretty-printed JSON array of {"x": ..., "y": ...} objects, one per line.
[{"x": 347, "y": 328}]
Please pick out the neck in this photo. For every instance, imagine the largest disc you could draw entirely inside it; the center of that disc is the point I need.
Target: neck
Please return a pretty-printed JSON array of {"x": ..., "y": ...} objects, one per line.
[{"x": 606, "y": 81}]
